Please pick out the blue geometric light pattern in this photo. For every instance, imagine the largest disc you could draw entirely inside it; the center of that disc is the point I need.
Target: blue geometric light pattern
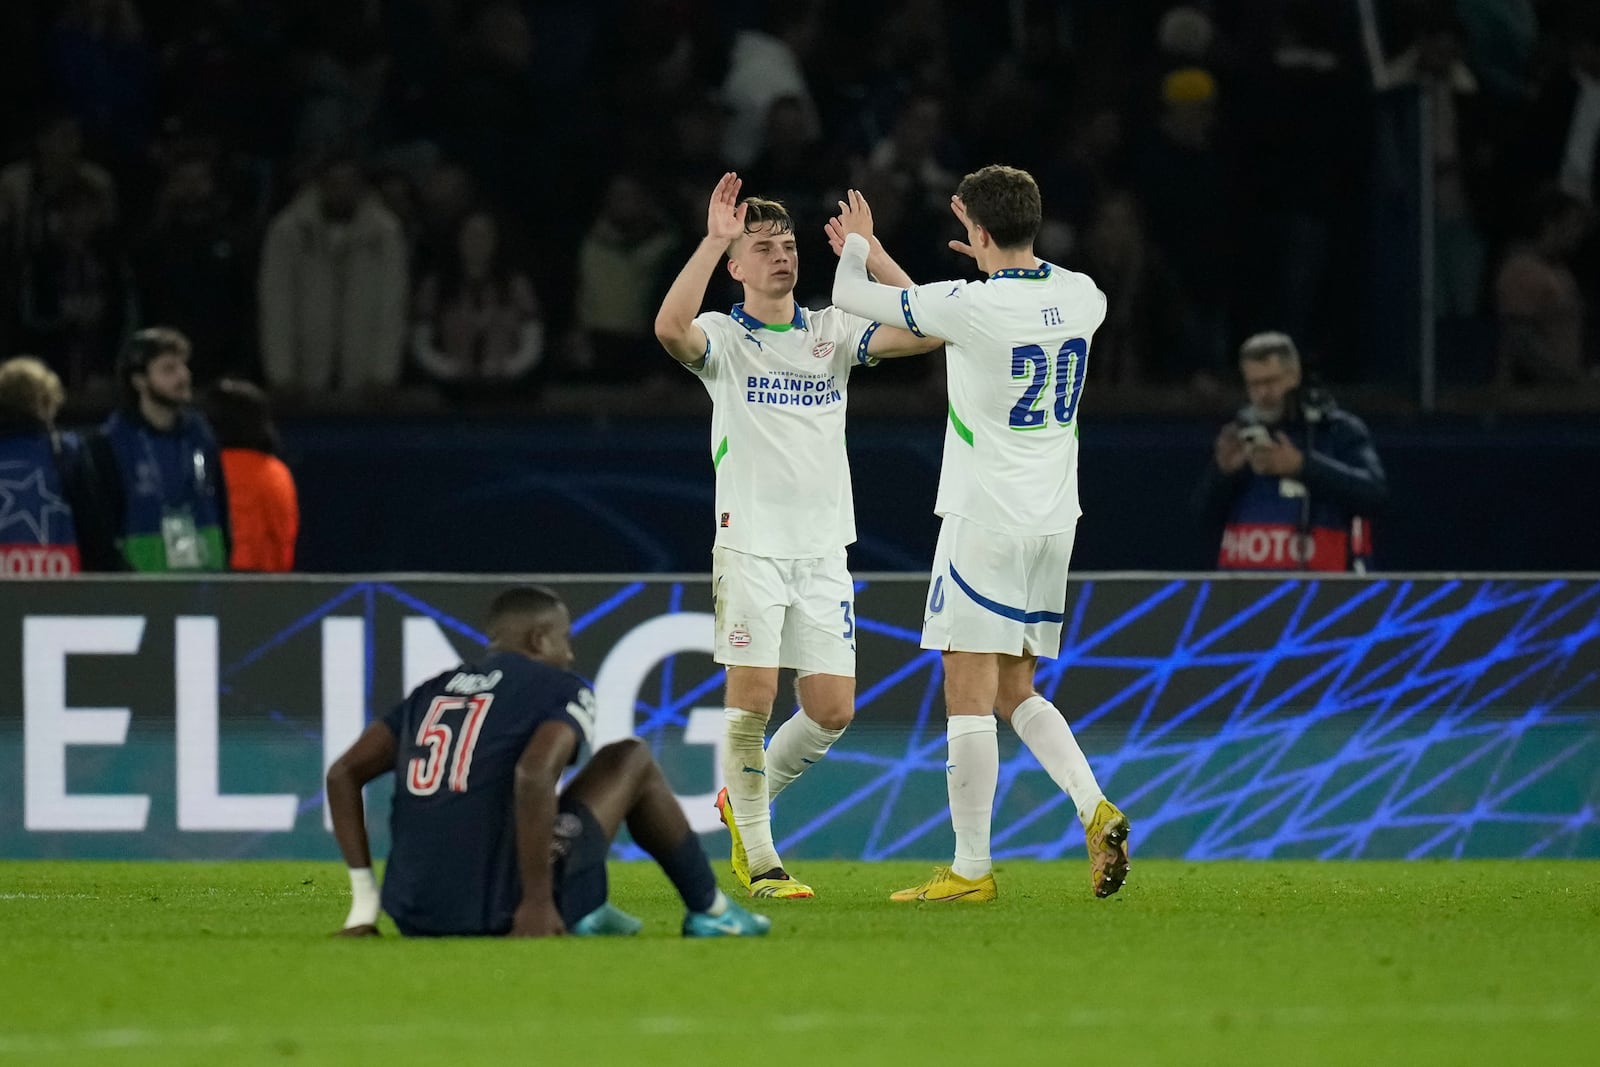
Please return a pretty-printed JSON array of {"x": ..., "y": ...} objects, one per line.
[
  {"x": 1254, "y": 719},
  {"x": 1229, "y": 718}
]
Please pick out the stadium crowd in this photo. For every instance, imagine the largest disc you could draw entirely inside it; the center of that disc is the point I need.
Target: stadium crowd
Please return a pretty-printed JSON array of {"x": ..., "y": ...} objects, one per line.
[{"x": 476, "y": 200}]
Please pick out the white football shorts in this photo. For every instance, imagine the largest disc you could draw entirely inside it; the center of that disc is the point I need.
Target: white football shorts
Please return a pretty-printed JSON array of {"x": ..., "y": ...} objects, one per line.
[
  {"x": 798, "y": 613},
  {"x": 994, "y": 592}
]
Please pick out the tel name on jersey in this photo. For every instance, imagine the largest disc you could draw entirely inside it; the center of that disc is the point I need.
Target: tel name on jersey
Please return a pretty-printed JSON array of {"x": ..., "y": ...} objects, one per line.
[{"x": 778, "y": 396}]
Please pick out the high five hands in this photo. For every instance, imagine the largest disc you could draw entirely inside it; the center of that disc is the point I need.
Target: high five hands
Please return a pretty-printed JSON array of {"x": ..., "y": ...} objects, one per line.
[{"x": 725, "y": 216}]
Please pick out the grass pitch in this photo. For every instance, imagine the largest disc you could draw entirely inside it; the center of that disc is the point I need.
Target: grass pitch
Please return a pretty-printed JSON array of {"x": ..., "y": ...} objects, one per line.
[{"x": 1272, "y": 963}]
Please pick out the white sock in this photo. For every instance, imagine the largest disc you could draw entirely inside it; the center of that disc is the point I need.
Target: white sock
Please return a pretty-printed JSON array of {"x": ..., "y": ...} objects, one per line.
[
  {"x": 719, "y": 904},
  {"x": 971, "y": 775},
  {"x": 796, "y": 745},
  {"x": 1046, "y": 733},
  {"x": 363, "y": 898},
  {"x": 744, "y": 766}
]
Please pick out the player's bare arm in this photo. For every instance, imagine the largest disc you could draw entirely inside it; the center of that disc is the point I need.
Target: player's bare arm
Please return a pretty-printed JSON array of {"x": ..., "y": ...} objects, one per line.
[
  {"x": 538, "y": 773},
  {"x": 853, "y": 288},
  {"x": 888, "y": 342},
  {"x": 371, "y": 755},
  {"x": 675, "y": 328}
]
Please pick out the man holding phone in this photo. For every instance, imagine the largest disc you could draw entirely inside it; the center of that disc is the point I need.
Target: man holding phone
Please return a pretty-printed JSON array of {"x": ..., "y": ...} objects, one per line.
[{"x": 1293, "y": 479}]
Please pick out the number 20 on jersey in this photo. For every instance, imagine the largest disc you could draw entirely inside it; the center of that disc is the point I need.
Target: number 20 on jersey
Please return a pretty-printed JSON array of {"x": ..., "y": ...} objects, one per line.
[{"x": 1066, "y": 371}]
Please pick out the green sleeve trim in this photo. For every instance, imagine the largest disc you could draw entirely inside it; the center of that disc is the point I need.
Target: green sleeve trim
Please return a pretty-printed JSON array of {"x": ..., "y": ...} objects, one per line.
[{"x": 722, "y": 450}]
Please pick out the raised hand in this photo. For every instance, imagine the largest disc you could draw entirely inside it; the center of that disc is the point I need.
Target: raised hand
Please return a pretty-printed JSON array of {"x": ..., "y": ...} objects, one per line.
[
  {"x": 835, "y": 231},
  {"x": 855, "y": 216},
  {"x": 960, "y": 211},
  {"x": 725, "y": 216}
]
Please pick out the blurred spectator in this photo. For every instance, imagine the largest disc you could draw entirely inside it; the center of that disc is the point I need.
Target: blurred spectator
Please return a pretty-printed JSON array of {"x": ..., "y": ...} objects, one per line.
[
  {"x": 1560, "y": 138},
  {"x": 45, "y": 498},
  {"x": 156, "y": 465},
  {"x": 29, "y": 187},
  {"x": 333, "y": 288},
  {"x": 76, "y": 299},
  {"x": 104, "y": 68},
  {"x": 445, "y": 194},
  {"x": 1461, "y": 161},
  {"x": 1184, "y": 37},
  {"x": 1292, "y": 474},
  {"x": 1541, "y": 312},
  {"x": 622, "y": 272},
  {"x": 263, "y": 510},
  {"x": 807, "y": 176},
  {"x": 194, "y": 266},
  {"x": 1501, "y": 36},
  {"x": 343, "y": 90},
  {"x": 1181, "y": 183},
  {"x": 766, "y": 65},
  {"x": 912, "y": 154},
  {"x": 1141, "y": 322},
  {"x": 493, "y": 126},
  {"x": 1299, "y": 120},
  {"x": 477, "y": 322}
]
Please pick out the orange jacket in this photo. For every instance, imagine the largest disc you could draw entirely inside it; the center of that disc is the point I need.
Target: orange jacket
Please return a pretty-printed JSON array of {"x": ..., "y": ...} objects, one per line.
[{"x": 263, "y": 508}]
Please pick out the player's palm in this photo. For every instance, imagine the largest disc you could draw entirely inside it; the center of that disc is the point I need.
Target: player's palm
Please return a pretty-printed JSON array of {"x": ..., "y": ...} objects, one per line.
[
  {"x": 725, "y": 216},
  {"x": 855, "y": 216}
]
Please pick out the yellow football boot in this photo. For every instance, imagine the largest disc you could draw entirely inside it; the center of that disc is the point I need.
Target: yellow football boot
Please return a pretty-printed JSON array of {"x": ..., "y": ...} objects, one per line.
[
  {"x": 948, "y": 887},
  {"x": 739, "y": 862},
  {"x": 1107, "y": 838}
]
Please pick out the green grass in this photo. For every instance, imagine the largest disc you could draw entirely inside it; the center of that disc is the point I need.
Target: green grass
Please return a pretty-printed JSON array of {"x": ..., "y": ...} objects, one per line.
[{"x": 1237, "y": 963}]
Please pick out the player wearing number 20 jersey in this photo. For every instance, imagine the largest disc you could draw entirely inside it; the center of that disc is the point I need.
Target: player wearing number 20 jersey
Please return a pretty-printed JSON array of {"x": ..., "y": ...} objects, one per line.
[
  {"x": 1017, "y": 353},
  {"x": 453, "y": 851}
]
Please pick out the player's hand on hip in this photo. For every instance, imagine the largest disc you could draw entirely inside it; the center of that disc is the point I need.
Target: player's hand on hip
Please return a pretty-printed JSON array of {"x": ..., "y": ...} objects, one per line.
[
  {"x": 537, "y": 920},
  {"x": 725, "y": 216},
  {"x": 855, "y": 215}
]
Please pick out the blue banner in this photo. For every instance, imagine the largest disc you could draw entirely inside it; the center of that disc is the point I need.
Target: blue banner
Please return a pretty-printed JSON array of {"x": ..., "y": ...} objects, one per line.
[{"x": 1230, "y": 717}]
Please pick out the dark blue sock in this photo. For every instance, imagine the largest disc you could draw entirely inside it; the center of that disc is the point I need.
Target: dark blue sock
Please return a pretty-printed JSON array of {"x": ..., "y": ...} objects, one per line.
[{"x": 686, "y": 865}]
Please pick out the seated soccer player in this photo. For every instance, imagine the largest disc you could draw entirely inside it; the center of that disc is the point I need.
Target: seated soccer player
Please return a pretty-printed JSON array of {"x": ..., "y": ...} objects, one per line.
[{"x": 481, "y": 843}]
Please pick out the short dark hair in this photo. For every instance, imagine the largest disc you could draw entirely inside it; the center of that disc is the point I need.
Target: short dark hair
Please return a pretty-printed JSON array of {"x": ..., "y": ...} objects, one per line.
[
  {"x": 241, "y": 416},
  {"x": 1004, "y": 201},
  {"x": 148, "y": 345},
  {"x": 521, "y": 600},
  {"x": 759, "y": 213}
]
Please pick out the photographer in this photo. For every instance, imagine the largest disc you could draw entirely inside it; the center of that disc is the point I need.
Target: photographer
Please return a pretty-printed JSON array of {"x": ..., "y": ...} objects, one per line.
[{"x": 1293, "y": 479}]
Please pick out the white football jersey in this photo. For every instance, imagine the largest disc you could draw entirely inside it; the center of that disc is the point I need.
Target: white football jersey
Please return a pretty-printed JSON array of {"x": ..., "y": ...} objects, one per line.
[
  {"x": 777, "y": 429},
  {"x": 1016, "y": 355}
]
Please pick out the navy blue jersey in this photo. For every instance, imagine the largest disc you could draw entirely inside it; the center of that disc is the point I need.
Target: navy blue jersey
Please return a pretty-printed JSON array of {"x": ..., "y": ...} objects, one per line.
[{"x": 453, "y": 852}]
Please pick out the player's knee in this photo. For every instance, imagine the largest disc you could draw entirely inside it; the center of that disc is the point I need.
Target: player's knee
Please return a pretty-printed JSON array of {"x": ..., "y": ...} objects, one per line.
[
  {"x": 1009, "y": 698},
  {"x": 832, "y": 715},
  {"x": 628, "y": 756}
]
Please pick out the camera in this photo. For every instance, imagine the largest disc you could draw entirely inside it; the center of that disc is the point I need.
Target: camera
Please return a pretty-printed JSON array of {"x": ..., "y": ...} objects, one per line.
[{"x": 1252, "y": 431}]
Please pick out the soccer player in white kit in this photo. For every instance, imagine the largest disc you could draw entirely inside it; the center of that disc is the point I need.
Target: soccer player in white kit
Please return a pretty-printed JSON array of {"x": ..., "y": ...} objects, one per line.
[
  {"x": 777, "y": 374},
  {"x": 1017, "y": 348}
]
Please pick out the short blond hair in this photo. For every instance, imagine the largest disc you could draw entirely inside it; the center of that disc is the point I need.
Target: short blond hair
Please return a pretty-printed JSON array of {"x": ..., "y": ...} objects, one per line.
[{"x": 29, "y": 387}]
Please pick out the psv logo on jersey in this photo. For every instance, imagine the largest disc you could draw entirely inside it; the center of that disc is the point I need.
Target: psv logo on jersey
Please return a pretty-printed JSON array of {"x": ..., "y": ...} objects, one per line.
[{"x": 822, "y": 349}]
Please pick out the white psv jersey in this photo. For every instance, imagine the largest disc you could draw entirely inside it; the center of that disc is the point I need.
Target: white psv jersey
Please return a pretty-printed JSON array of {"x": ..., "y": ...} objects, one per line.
[
  {"x": 777, "y": 429},
  {"x": 1016, "y": 355}
]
